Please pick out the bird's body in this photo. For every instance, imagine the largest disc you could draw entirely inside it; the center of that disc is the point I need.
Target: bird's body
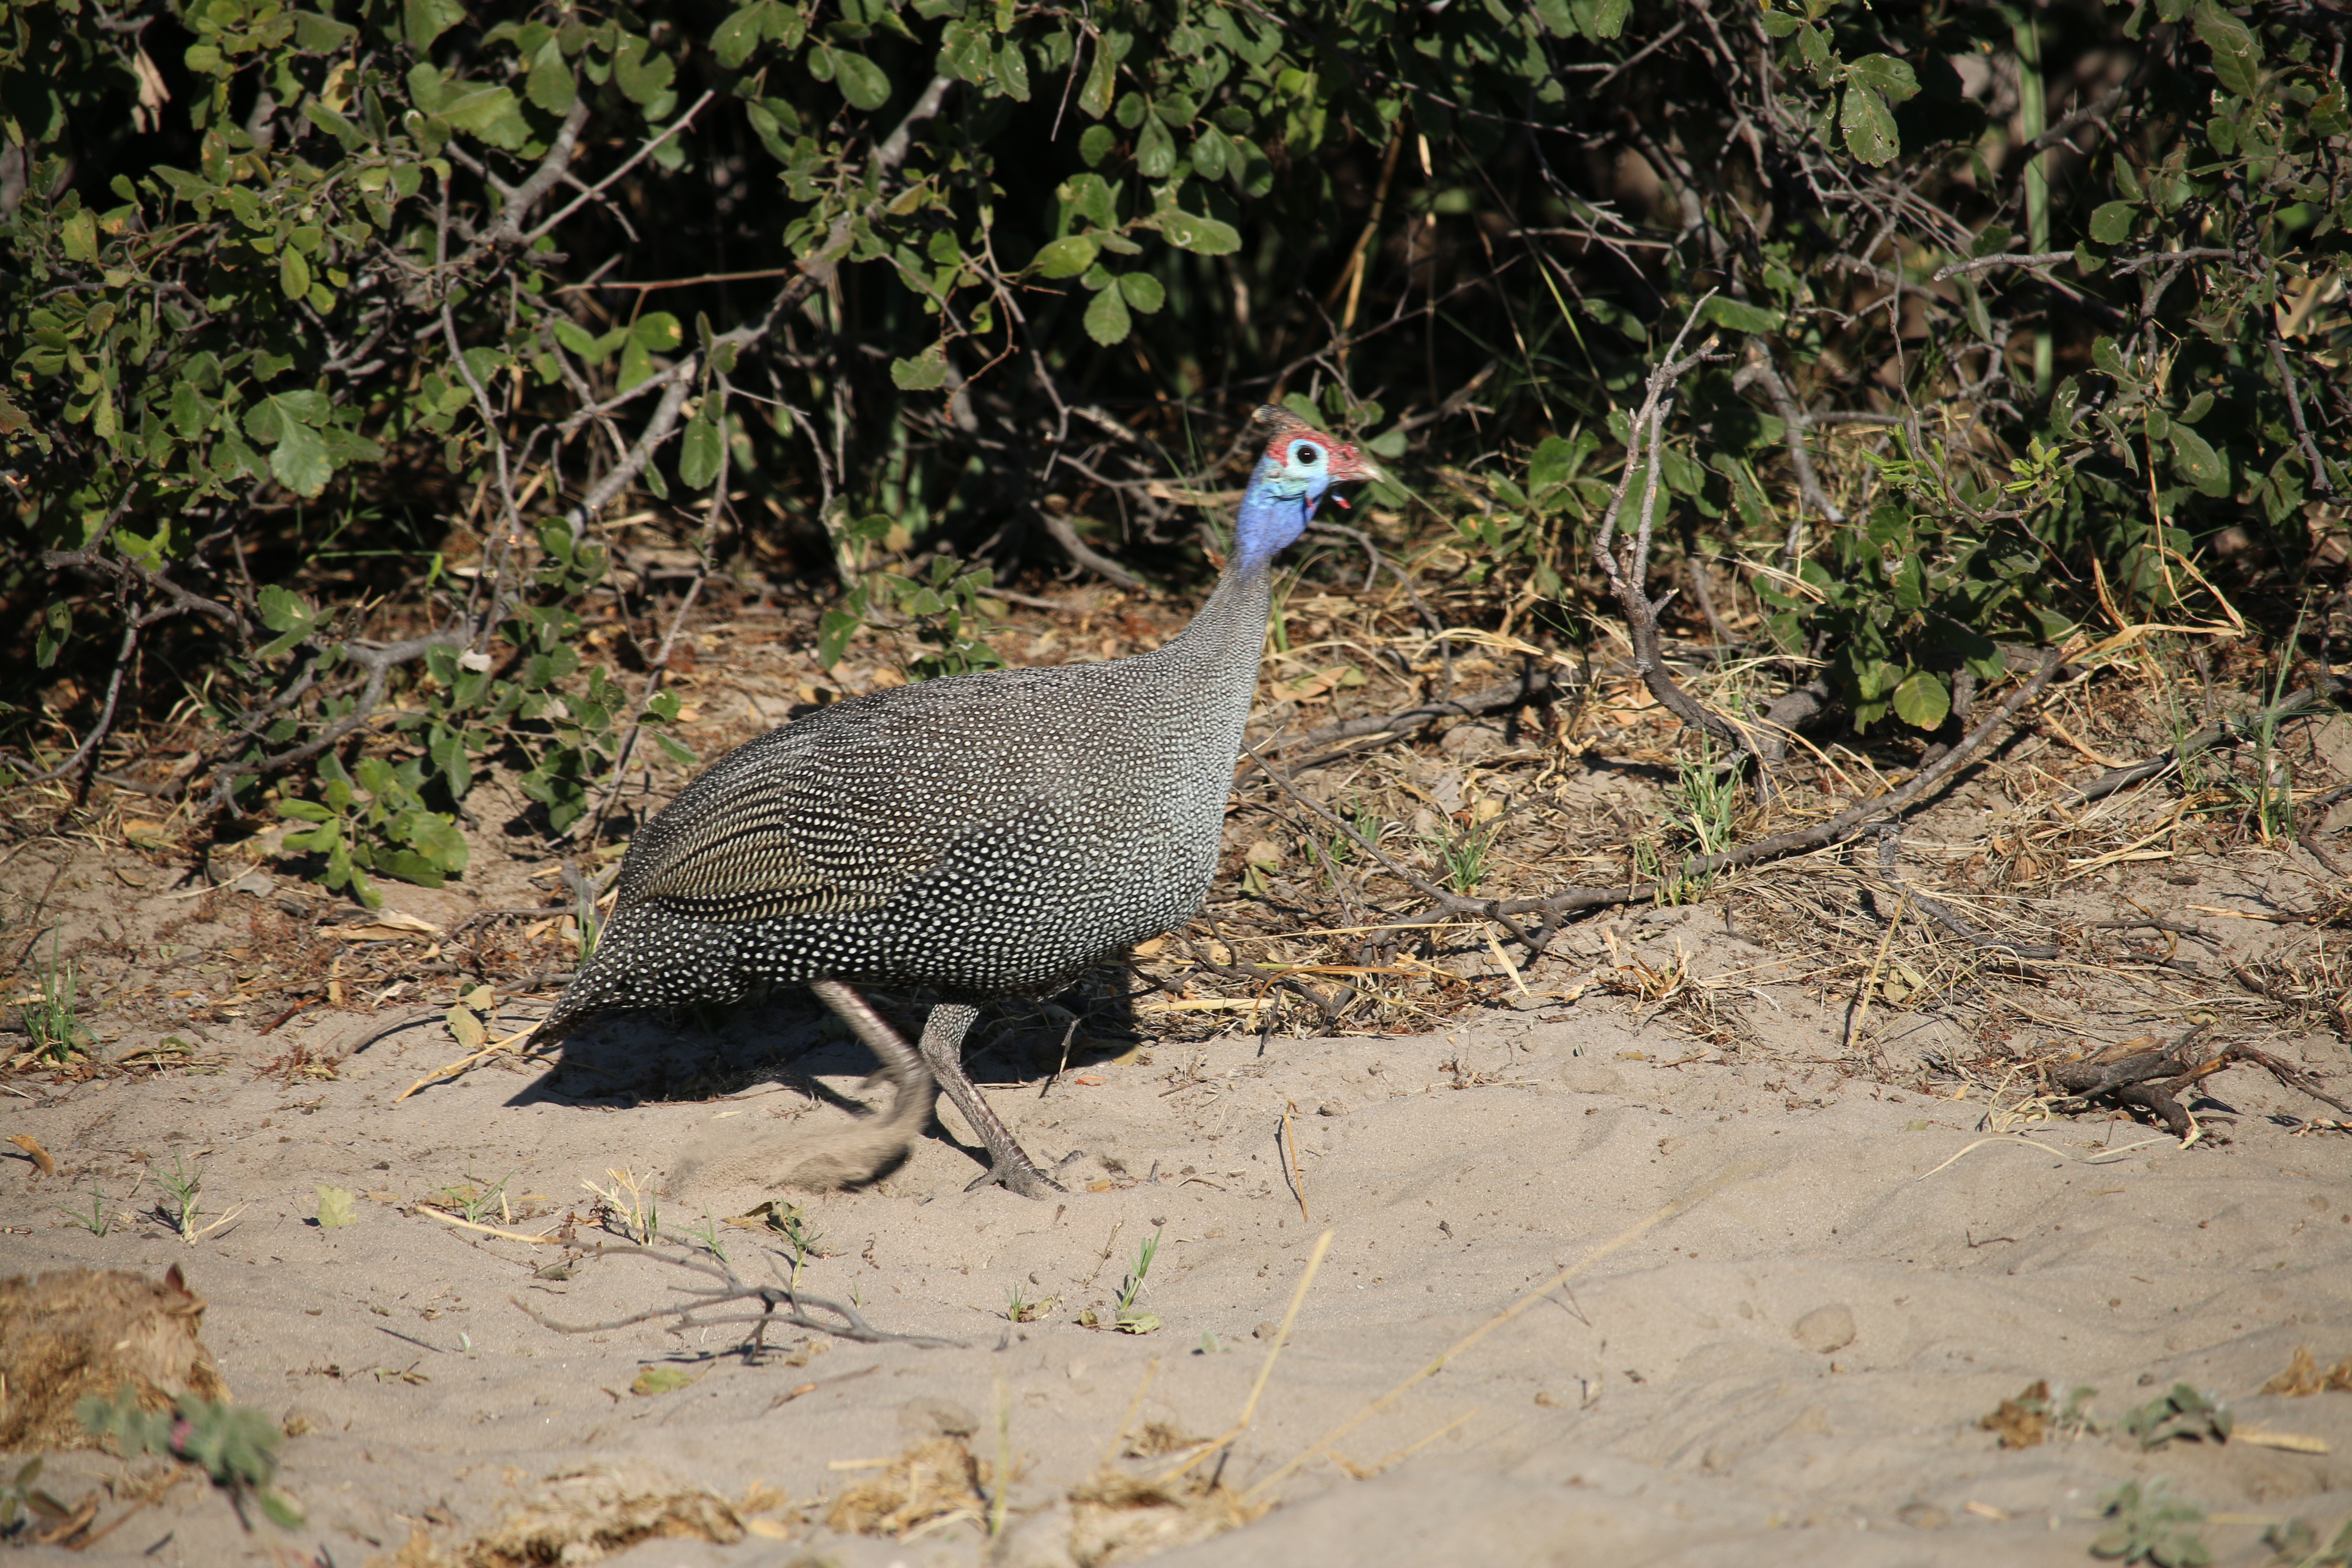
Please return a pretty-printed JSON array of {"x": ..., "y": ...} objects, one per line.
[
  {"x": 985, "y": 834},
  {"x": 1048, "y": 860}
]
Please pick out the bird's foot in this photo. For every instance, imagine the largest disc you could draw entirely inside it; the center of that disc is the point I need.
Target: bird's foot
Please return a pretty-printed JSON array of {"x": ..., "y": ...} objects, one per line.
[{"x": 1016, "y": 1173}]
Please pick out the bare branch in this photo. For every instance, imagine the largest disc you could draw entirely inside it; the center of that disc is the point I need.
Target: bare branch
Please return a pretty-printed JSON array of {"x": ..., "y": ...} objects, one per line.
[
  {"x": 1987, "y": 263},
  {"x": 644, "y": 150}
]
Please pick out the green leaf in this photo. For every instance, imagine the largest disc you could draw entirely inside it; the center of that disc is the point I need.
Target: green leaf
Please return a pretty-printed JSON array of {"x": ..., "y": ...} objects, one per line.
[
  {"x": 335, "y": 1207},
  {"x": 965, "y": 53},
  {"x": 926, "y": 372},
  {"x": 657, "y": 330},
  {"x": 2111, "y": 222},
  {"x": 642, "y": 76},
  {"x": 335, "y": 125},
  {"x": 1066, "y": 258},
  {"x": 860, "y": 79},
  {"x": 1869, "y": 124},
  {"x": 1143, "y": 292},
  {"x": 1012, "y": 70},
  {"x": 1601, "y": 19},
  {"x": 1155, "y": 150},
  {"x": 2199, "y": 463},
  {"x": 1210, "y": 153},
  {"x": 1737, "y": 316},
  {"x": 2237, "y": 57},
  {"x": 283, "y": 610},
  {"x": 735, "y": 38},
  {"x": 1201, "y": 236},
  {"x": 477, "y": 110},
  {"x": 300, "y": 460},
  {"x": 293, "y": 274},
  {"x": 1101, "y": 84},
  {"x": 700, "y": 453},
  {"x": 1884, "y": 74},
  {"x": 551, "y": 85},
  {"x": 1107, "y": 318},
  {"x": 425, "y": 20},
  {"x": 316, "y": 35},
  {"x": 1550, "y": 464}
]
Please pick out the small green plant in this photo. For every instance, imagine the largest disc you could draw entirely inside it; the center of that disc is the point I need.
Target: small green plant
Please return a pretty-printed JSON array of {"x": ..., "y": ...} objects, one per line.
[
  {"x": 95, "y": 1221},
  {"x": 235, "y": 1445},
  {"x": 1127, "y": 1320},
  {"x": 943, "y": 605},
  {"x": 2271, "y": 796},
  {"x": 707, "y": 1238},
  {"x": 792, "y": 1224},
  {"x": 1464, "y": 856},
  {"x": 182, "y": 1190},
  {"x": 22, "y": 1501},
  {"x": 1021, "y": 1310},
  {"x": 476, "y": 1202},
  {"x": 2151, "y": 1526},
  {"x": 2296, "y": 1544},
  {"x": 49, "y": 1020},
  {"x": 1701, "y": 808},
  {"x": 373, "y": 819},
  {"x": 2178, "y": 1413}
]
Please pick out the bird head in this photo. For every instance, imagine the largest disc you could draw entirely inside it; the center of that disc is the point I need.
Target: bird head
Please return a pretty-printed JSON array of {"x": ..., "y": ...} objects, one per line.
[{"x": 1296, "y": 469}]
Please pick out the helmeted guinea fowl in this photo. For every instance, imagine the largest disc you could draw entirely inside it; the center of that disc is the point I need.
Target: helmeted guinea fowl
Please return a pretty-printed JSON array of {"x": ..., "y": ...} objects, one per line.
[{"x": 987, "y": 834}]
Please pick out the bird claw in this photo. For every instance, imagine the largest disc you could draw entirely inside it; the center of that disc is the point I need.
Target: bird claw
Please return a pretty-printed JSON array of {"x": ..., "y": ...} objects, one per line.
[{"x": 1016, "y": 1173}]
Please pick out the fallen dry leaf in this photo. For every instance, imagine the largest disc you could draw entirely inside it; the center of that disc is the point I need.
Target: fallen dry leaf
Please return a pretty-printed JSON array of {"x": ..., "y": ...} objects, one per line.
[{"x": 2022, "y": 1422}]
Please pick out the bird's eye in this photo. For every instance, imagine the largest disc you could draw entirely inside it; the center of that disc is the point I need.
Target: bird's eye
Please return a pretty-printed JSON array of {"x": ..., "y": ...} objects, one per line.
[{"x": 1304, "y": 454}]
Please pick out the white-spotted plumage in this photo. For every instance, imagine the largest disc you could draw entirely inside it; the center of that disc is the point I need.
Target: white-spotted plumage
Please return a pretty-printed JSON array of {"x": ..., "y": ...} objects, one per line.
[{"x": 984, "y": 835}]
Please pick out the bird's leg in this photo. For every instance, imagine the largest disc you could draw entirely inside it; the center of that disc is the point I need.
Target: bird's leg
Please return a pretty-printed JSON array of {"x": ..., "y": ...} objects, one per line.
[
  {"x": 917, "y": 1090},
  {"x": 942, "y": 1050}
]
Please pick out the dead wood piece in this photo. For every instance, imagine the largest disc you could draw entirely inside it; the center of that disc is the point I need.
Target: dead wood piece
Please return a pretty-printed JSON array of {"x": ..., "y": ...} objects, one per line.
[
  {"x": 2150, "y": 1080},
  {"x": 1789, "y": 713},
  {"x": 80, "y": 1332},
  {"x": 2128, "y": 1082}
]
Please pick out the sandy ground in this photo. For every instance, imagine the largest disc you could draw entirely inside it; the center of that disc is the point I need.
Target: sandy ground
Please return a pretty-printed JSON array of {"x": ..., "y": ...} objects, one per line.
[{"x": 1796, "y": 1293}]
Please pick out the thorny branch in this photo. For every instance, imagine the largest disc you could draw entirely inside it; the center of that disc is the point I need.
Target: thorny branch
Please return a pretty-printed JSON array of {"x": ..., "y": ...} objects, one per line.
[
  {"x": 1628, "y": 577},
  {"x": 778, "y": 1305}
]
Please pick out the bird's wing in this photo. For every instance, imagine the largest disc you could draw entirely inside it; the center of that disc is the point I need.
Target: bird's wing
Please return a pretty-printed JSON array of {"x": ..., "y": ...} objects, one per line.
[{"x": 844, "y": 810}]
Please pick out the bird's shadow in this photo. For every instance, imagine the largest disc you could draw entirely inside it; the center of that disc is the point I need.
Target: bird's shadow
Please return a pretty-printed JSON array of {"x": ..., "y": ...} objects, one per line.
[{"x": 624, "y": 1061}]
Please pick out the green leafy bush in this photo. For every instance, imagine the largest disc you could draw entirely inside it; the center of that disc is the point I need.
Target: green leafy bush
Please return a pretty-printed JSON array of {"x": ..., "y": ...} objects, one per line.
[{"x": 339, "y": 341}]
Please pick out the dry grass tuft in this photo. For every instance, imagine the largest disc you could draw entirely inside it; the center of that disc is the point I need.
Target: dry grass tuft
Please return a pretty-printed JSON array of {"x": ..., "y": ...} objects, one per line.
[
  {"x": 1118, "y": 1518},
  {"x": 928, "y": 1486},
  {"x": 586, "y": 1515},
  {"x": 2303, "y": 1376},
  {"x": 77, "y": 1333}
]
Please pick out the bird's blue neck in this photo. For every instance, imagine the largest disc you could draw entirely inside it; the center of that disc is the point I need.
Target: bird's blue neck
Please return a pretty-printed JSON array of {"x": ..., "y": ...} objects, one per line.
[{"x": 1275, "y": 511}]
